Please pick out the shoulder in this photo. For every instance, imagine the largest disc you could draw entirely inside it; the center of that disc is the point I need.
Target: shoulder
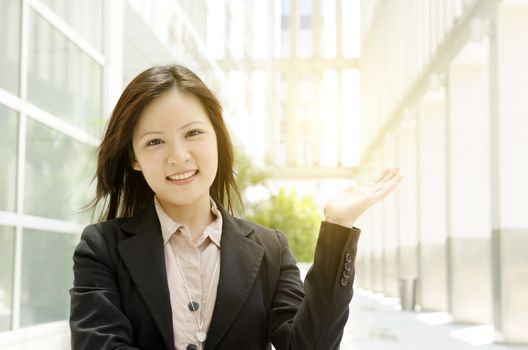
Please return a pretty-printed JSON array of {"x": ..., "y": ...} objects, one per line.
[
  {"x": 103, "y": 227},
  {"x": 98, "y": 242},
  {"x": 267, "y": 237},
  {"x": 106, "y": 233}
]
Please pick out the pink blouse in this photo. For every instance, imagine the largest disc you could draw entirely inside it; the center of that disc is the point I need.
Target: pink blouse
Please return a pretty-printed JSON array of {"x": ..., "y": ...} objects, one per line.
[{"x": 198, "y": 261}]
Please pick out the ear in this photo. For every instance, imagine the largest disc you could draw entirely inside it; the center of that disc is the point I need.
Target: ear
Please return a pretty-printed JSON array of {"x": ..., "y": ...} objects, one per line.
[
  {"x": 135, "y": 165},
  {"x": 133, "y": 161}
]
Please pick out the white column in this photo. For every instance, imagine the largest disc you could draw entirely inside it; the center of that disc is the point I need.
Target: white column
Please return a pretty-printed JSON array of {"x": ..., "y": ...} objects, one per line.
[
  {"x": 377, "y": 229},
  {"x": 364, "y": 263},
  {"x": 408, "y": 240},
  {"x": 511, "y": 228},
  {"x": 469, "y": 185},
  {"x": 390, "y": 219},
  {"x": 432, "y": 200}
]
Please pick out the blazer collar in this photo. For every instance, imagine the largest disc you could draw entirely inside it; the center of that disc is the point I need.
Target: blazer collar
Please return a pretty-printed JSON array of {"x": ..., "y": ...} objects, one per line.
[
  {"x": 143, "y": 256},
  {"x": 240, "y": 260},
  {"x": 141, "y": 222}
]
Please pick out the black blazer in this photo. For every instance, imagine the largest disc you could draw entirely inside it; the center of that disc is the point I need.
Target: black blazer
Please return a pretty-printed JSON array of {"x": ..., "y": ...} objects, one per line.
[{"x": 120, "y": 297}]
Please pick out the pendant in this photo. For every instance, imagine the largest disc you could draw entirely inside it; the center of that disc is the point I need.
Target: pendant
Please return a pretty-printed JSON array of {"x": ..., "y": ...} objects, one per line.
[{"x": 201, "y": 336}]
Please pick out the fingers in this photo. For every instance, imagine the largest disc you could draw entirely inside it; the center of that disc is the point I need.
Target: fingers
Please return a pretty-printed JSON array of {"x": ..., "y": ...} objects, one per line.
[
  {"x": 387, "y": 181},
  {"x": 388, "y": 186},
  {"x": 389, "y": 174},
  {"x": 382, "y": 175}
]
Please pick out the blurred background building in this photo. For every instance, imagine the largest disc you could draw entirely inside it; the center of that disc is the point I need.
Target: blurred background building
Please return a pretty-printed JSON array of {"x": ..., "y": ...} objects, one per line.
[{"x": 442, "y": 93}]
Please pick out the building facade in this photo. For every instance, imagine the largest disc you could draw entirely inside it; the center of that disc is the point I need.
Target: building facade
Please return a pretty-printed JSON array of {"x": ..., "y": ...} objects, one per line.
[
  {"x": 64, "y": 63},
  {"x": 442, "y": 95},
  {"x": 52, "y": 73}
]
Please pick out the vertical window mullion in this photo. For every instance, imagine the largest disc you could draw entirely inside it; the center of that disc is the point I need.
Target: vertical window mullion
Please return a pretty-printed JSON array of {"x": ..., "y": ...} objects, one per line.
[{"x": 21, "y": 155}]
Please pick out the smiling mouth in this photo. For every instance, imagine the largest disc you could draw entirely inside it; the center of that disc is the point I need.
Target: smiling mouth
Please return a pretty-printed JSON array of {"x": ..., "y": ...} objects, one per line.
[{"x": 183, "y": 176}]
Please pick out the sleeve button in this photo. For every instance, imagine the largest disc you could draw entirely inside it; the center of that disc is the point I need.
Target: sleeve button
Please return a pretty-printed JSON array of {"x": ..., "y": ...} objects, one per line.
[
  {"x": 344, "y": 281},
  {"x": 348, "y": 257},
  {"x": 348, "y": 267}
]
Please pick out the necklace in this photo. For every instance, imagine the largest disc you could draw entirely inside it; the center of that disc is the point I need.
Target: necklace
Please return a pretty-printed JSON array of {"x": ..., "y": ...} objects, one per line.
[{"x": 200, "y": 335}]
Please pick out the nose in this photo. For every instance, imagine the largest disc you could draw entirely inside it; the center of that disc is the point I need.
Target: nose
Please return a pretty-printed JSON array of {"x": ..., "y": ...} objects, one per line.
[{"x": 178, "y": 153}]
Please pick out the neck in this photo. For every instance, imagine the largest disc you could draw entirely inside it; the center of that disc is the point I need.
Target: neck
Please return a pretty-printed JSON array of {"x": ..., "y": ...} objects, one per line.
[{"x": 196, "y": 215}]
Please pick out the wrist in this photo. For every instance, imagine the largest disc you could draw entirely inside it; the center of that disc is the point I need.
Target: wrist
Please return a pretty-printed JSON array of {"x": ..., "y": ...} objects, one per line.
[{"x": 340, "y": 221}]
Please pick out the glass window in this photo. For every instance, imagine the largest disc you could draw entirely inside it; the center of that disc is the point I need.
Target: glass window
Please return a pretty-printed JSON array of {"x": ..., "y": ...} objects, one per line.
[
  {"x": 305, "y": 45},
  {"x": 62, "y": 79},
  {"x": 237, "y": 28},
  {"x": 8, "y": 158},
  {"x": 260, "y": 17},
  {"x": 285, "y": 38},
  {"x": 216, "y": 29},
  {"x": 46, "y": 276},
  {"x": 351, "y": 38},
  {"x": 282, "y": 151},
  {"x": 349, "y": 123},
  {"x": 85, "y": 17},
  {"x": 329, "y": 117},
  {"x": 7, "y": 247},
  {"x": 328, "y": 35},
  {"x": 304, "y": 151},
  {"x": 9, "y": 45},
  {"x": 236, "y": 81},
  {"x": 57, "y": 167},
  {"x": 306, "y": 95}
]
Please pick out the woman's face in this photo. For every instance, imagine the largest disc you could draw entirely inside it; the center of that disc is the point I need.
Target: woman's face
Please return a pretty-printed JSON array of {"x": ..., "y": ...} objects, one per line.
[{"x": 175, "y": 148}]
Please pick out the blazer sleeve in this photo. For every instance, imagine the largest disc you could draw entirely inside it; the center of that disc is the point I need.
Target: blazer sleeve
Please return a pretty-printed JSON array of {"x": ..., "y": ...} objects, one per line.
[
  {"x": 96, "y": 318},
  {"x": 314, "y": 317}
]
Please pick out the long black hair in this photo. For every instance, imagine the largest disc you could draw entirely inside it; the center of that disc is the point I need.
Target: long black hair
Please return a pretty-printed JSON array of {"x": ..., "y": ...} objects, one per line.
[{"x": 124, "y": 191}]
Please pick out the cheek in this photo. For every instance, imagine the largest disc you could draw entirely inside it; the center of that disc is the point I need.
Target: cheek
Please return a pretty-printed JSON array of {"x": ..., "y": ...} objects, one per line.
[
  {"x": 150, "y": 163},
  {"x": 213, "y": 155},
  {"x": 208, "y": 152},
  {"x": 210, "y": 160}
]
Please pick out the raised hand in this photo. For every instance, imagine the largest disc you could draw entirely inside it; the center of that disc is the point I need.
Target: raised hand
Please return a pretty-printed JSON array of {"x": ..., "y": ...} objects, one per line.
[{"x": 345, "y": 207}]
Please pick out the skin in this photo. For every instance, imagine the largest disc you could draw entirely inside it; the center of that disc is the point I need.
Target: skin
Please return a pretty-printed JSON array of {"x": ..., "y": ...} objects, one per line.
[
  {"x": 347, "y": 206},
  {"x": 174, "y": 135}
]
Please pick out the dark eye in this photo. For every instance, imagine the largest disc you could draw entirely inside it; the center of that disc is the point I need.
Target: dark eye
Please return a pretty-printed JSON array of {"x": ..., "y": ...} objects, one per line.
[
  {"x": 193, "y": 133},
  {"x": 154, "y": 142}
]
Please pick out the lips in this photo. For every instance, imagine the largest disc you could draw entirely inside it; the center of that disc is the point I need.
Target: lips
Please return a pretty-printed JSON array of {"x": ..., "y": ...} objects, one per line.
[{"x": 182, "y": 175}]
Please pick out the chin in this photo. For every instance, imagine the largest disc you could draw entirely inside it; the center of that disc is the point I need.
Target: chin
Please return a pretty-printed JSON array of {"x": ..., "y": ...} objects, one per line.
[{"x": 187, "y": 199}]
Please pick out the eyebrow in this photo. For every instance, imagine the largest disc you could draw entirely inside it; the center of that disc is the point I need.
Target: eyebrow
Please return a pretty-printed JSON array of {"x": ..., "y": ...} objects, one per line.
[
  {"x": 161, "y": 132},
  {"x": 150, "y": 132}
]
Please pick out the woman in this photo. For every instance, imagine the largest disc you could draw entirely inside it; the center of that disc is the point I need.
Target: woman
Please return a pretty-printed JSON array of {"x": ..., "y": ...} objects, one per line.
[{"x": 170, "y": 268}]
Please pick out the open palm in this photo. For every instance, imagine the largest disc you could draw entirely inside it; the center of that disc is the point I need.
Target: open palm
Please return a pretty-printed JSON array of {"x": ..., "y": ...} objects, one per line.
[{"x": 345, "y": 207}]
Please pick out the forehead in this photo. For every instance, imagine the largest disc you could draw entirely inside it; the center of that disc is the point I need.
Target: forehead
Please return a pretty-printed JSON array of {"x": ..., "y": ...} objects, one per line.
[{"x": 172, "y": 108}]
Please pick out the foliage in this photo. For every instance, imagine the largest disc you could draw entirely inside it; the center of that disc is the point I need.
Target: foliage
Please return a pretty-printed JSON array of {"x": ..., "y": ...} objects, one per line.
[
  {"x": 297, "y": 217},
  {"x": 247, "y": 175}
]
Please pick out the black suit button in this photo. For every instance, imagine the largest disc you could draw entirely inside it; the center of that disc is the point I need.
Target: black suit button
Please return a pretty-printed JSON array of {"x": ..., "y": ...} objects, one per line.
[
  {"x": 193, "y": 306},
  {"x": 348, "y": 257},
  {"x": 344, "y": 281},
  {"x": 192, "y": 347},
  {"x": 348, "y": 267},
  {"x": 346, "y": 274}
]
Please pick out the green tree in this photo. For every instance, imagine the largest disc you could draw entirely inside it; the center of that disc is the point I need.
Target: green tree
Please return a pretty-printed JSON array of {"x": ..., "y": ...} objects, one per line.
[
  {"x": 247, "y": 175},
  {"x": 297, "y": 217}
]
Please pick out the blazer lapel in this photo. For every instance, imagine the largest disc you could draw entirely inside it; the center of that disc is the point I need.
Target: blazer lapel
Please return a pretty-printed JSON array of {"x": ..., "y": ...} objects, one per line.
[
  {"x": 240, "y": 264},
  {"x": 144, "y": 258}
]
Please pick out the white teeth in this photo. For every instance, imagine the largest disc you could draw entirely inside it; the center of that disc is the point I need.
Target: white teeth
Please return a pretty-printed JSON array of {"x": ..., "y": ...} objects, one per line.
[{"x": 182, "y": 176}]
